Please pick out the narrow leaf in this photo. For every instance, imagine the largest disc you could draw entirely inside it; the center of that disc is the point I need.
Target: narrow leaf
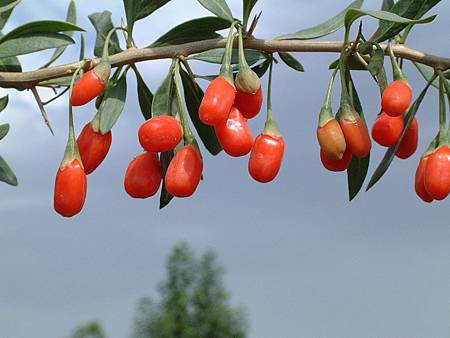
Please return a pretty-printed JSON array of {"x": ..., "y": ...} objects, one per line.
[
  {"x": 390, "y": 154},
  {"x": 165, "y": 197},
  {"x": 291, "y": 61},
  {"x": 34, "y": 42},
  {"x": 411, "y": 9},
  {"x": 72, "y": 18},
  {"x": 427, "y": 72},
  {"x": 162, "y": 101},
  {"x": 262, "y": 68},
  {"x": 4, "y": 102},
  {"x": 40, "y": 27},
  {"x": 219, "y": 8},
  {"x": 112, "y": 104},
  {"x": 359, "y": 167},
  {"x": 4, "y": 129},
  {"x": 6, "y": 10},
  {"x": 325, "y": 28},
  {"x": 376, "y": 62},
  {"x": 215, "y": 56},
  {"x": 248, "y": 7},
  {"x": 11, "y": 64},
  {"x": 10, "y": 5},
  {"x": 138, "y": 9},
  {"x": 354, "y": 14},
  {"x": 193, "y": 97},
  {"x": 387, "y": 5},
  {"x": 193, "y": 30},
  {"x": 102, "y": 23},
  {"x": 145, "y": 96},
  {"x": 6, "y": 174}
]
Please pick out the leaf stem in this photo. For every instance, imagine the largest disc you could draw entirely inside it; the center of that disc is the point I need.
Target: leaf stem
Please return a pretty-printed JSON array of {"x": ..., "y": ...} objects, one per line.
[
  {"x": 396, "y": 70},
  {"x": 188, "y": 136},
  {"x": 225, "y": 69},
  {"x": 71, "y": 151}
]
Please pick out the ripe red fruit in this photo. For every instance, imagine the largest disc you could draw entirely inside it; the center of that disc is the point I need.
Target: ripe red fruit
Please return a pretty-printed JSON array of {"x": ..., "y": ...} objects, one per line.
[
  {"x": 93, "y": 146},
  {"x": 143, "y": 176},
  {"x": 332, "y": 140},
  {"x": 184, "y": 172},
  {"x": 160, "y": 134},
  {"x": 386, "y": 130},
  {"x": 249, "y": 104},
  {"x": 87, "y": 88},
  {"x": 410, "y": 142},
  {"x": 266, "y": 157},
  {"x": 234, "y": 135},
  {"x": 397, "y": 98},
  {"x": 336, "y": 165},
  {"x": 70, "y": 189},
  {"x": 419, "y": 181},
  {"x": 217, "y": 102},
  {"x": 437, "y": 173},
  {"x": 356, "y": 135}
]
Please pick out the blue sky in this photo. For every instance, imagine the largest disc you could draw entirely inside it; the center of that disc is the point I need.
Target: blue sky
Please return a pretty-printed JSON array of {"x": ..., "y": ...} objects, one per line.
[{"x": 302, "y": 260}]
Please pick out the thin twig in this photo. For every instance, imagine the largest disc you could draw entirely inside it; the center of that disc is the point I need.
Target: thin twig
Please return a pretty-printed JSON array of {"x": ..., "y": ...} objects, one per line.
[
  {"x": 57, "y": 96},
  {"x": 188, "y": 68},
  {"x": 42, "y": 109}
]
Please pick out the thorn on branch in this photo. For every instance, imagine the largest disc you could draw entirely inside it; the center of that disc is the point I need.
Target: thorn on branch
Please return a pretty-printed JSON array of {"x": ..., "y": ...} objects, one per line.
[
  {"x": 42, "y": 109},
  {"x": 253, "y": 25}
]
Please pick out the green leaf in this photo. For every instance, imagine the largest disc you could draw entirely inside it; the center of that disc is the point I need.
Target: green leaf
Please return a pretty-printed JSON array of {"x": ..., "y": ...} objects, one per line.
[
  {"x": 4, "y": 102},
  {"x": 248, "y": 7},
  {"x": 411, "y": 9},
  {"x": 354, "y": 14},
  {"x": 112, "y": 104},
  {"x": 4, "y": 129},
  {"x": 72, "y": 18},
  {"x": 193, "y": 30},
  {"x": 359, "y": 167},
  {"x": 138, "y": 9},
  {"x": 219, "y": 8},
  {"x": 162, "y": 101},
  {"x": 325, "y": 28},
  {"x": 376, "y": 63},
  {"x": 262, "y": 68},
  {"x": 6, "y": 174},
  {"x": 215, "y": 56},
  {"x": 10, "y": 5},
  {"x": 41, "y": 27},
  {"x": 390, "y": 154},
  {"x": 356, "y": 175},
  {"x": 145, "y": 96},
  {"x": 165, "y": 197},
  {"x": 193, "y": 96},
  {"x": 59, "y": 82},
  {"x": 102, "y": 23},
  {"x": 387, "y": 5},
  {"x": 352, "y": 63},
  {"x": 7, "y": 6},
  {"x": 291, "y": 61},
  {"x": 11, "y": 64},
  {"x": 34, "y": 42},
  {"x": 427, "y": 72}
]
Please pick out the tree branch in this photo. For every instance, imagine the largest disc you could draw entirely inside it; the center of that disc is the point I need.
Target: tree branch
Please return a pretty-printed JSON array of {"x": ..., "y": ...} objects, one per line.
[{"x": 133, "y": 55}]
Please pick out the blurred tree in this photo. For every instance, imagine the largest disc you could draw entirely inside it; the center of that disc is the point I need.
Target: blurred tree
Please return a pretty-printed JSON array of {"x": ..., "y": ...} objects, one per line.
[
  {"x": 194, "y": 302},
  {"x": 89, "y": 330}
]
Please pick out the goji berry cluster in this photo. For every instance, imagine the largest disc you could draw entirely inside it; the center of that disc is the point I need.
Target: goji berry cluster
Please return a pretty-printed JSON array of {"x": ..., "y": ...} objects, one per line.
[
  {"x": 341, "y": 141},
  {"x": 227, "y": 104}
]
